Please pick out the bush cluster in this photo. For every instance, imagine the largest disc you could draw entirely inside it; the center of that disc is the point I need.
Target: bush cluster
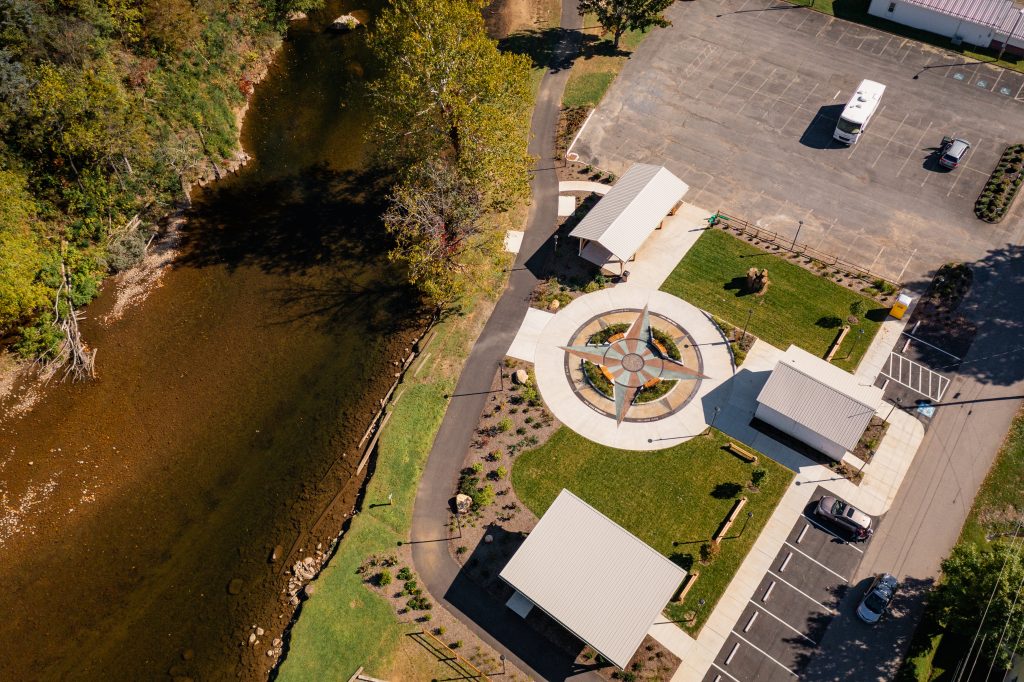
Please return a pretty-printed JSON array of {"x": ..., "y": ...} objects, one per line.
[{"x": 998, "y": 193}]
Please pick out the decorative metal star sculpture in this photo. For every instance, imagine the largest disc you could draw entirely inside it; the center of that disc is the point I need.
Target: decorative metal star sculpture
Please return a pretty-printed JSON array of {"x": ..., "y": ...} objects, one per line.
[{"x": 633, "y": 361}]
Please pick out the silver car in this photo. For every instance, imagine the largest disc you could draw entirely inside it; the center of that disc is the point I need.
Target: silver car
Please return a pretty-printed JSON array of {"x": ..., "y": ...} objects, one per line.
[
  {"x": 843, "y": 514},
  {"x": 877, "y": 599},
  {"x": 953, "y": 151}
]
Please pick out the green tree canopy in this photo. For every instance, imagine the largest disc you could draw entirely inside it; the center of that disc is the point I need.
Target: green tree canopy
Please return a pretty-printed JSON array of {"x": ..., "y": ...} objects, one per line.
[
  {"x": 619, "y": 16},
  {"x": 984, "y": 587},
  {"x": 22, "y": 257},
  {"x": 445, "y": 91}
]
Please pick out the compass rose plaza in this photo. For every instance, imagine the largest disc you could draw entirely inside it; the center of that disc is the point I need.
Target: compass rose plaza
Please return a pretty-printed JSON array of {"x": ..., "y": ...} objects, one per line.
[{"x": 630, "y": 367}]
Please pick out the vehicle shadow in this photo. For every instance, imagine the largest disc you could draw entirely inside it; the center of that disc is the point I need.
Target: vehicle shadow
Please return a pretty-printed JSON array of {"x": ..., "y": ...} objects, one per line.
[{"x": 818, "y": 134}]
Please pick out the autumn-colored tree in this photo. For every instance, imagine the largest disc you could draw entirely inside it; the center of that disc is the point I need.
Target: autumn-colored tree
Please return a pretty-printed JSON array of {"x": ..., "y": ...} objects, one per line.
[
  {"x": 619, "y": 16},
  {"x": 446, "y": 92},
  {"x": 22, "y": 256}
]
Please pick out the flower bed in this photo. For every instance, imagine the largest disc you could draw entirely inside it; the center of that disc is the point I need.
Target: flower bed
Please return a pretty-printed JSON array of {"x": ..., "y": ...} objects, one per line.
[
  {"x": 646, "y": 394},
  {"x": 998, "y": 193}
]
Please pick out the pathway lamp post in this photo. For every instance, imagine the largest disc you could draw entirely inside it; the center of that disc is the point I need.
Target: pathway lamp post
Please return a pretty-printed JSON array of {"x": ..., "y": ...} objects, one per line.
[
  {"x": 1016, "y": 23},
  {"x": 799, "y": 226},
  {"x": 746, "y": 324}
]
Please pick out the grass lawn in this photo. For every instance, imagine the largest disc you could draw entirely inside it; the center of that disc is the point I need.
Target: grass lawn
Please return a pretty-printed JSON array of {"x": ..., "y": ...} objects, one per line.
[
  {"x": 799, "y": 308},
  {"x": 594, "y": 71},
  {"x": 679, "y": 495},
  {"x": 935, "y": 651},
  {"x": 857, "y": 11}
]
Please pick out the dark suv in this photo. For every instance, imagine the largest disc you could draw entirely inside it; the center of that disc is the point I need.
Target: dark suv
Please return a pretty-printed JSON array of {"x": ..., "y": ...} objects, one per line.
[
  {"x": 842, "y": 514},
  {"x": 953, "y": 151}
]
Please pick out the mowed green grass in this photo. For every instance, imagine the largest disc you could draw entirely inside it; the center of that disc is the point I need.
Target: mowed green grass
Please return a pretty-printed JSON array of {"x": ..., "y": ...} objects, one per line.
[
  {"x": 678, "y": 495},
  {"x": 797, "y": 308}
]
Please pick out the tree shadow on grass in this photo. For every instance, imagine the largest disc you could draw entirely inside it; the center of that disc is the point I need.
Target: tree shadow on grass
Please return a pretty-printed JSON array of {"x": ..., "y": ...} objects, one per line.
[
  {"x": 829, "y": 322},
  {"x": 541, "y": 46},
  {"x": 726, "y": 491},
  {"x": 737, "y": 285}
]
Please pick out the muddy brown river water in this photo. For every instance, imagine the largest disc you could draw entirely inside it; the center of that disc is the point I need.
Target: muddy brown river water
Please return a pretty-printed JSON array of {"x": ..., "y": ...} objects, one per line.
[{"x": 226, "y": 412}]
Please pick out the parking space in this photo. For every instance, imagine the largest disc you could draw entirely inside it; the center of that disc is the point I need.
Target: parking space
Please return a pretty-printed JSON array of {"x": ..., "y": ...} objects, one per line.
[
  {"x": 740, "y": 99},
  {"x": 797, "y": 598}
]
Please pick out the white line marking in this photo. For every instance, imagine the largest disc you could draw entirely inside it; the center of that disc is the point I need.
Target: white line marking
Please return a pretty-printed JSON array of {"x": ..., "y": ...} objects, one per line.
[
  {"x": 836, "y": 95},
  {"x": 838, "y": 575},
  {"x": 803, "y": 533},
  {"x": 914, "y": 150},
  {"x": 821, "y": 604},
  {"x": 900, "y": 278},
  {"x": 750, "y": 623},
  {"x": 766, "y": 655},
  {"x": 845, "y": 541},
  {"x": 768, "y": 592},
  {"x": 735, "y": 648},
  {"x": 785, "y": 623},
  {"x": 725, "y": 673},
  {"x": 785, "y": 562}
]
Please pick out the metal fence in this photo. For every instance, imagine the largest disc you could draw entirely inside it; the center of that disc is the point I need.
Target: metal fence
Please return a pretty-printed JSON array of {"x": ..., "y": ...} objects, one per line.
[{"x": 745, "y": 228}]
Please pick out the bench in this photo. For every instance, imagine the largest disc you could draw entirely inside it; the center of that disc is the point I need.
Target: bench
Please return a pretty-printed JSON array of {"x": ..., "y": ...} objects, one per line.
[{"x": 742, "y": 453}]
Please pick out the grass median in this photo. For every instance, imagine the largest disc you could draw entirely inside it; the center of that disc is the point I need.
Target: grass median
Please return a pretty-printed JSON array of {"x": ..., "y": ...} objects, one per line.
[
  {"x": 799, "y": 308},
  {"x": 673, "y": 499}
]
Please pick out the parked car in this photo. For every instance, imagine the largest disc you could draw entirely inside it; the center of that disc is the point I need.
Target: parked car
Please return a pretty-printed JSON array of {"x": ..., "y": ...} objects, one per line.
[
  {"x": 878, "y": 597},
  {"x": 845, "y": 515},
  {"x": 953, "y": 151}
]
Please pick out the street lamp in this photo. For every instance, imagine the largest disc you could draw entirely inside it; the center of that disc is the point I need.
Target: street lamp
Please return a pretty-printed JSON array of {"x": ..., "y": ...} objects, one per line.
[
  {"x": 1016, "y": 23},
  {"x": 502, "y": 657},
  {"x": 749, "y": 515},
  {"x": 856, "y": 340},
  {"x": 715, "y": 415},
  {"x": 747, "y": 324},
  {"x": 898, "y": 401},
  {"x": 799, "y": 226}
]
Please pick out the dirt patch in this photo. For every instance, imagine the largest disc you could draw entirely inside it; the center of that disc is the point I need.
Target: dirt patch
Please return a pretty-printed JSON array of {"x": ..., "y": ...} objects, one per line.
[
  {"x": 504, "y": 17},
  {"x": 871, "y": 439}
]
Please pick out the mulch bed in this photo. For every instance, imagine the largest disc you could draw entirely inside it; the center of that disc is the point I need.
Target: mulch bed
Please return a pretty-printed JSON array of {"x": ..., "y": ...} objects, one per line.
[{"x": 872, "y": 437}]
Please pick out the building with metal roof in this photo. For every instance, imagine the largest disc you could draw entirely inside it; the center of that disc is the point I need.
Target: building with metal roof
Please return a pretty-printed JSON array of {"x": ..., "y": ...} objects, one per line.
[
  {"x": 613, "y": 231},
  {"x": 985, "y": 23},
  {"x": 593, "y": 577},
  {"x": 817, "y": 403}
]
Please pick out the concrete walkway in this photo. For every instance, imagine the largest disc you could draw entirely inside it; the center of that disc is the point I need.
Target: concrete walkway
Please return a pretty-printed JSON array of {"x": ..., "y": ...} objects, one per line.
[
  {"x": 583, "y": 186},
  {"x": 663, "y": 250},
  {"x": 554, "y": 385}
]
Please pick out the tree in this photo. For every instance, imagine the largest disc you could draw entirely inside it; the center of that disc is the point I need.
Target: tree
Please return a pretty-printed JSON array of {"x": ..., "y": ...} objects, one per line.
[
  {"x": 22, "y": 292},
  {"x": 445, "y": 91},
  {"x": 981, "y": 592},
  {"x": 435, "y": 218},
  {"x": 619, "y": 16}
]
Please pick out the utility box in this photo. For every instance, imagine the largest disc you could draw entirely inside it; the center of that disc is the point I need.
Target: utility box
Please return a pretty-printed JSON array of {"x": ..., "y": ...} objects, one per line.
[{"x": 899, "y": 308}]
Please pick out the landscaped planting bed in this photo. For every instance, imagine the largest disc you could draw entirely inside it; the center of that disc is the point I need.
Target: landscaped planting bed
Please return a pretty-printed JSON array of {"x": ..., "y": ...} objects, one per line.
[
  {"x": 647, "y": 394},
  {"x": 998, "y": 193}
]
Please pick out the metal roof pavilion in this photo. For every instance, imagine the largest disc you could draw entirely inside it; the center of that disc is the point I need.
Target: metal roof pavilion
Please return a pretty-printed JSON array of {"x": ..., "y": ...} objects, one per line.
[
  {"x": 631, "y": 210},
  {"x": 821, "y": 397},
  {"x": 596, "y": 579}
]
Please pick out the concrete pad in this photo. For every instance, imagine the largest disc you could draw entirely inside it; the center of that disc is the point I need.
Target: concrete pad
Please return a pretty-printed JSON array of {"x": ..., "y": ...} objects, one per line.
[
  {"x": 525, "y": 343},
  {"x": 566, "y": 206},
  {"x": 663, "y": 250},
  {"x": 583, "y": 186},
  {"x": 513, "y": 241}
]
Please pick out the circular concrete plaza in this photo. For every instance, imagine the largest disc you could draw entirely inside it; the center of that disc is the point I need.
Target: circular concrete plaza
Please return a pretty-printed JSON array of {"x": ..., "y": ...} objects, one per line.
[{"x": 677, "y": 416}]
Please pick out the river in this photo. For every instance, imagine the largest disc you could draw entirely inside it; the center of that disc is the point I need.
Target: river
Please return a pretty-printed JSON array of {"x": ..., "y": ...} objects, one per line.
[{"x": 226, "y": 412}]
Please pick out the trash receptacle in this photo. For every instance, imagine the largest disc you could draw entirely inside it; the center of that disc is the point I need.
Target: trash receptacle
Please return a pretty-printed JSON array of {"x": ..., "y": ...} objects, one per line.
[{"x": 625, "y": 276}]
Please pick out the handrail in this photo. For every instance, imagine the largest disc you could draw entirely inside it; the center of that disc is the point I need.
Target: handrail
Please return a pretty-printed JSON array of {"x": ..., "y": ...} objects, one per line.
[{"x": 456, "y": 655}]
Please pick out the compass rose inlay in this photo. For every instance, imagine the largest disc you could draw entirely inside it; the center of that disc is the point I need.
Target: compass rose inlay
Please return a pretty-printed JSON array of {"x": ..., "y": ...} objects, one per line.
[{"x": 632, "y": 362}]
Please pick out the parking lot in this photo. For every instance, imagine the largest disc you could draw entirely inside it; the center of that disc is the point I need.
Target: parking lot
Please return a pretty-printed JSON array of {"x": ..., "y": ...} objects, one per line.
[
  {"x": 796, "y": 600},
  {"x": 740, "y": 98}
]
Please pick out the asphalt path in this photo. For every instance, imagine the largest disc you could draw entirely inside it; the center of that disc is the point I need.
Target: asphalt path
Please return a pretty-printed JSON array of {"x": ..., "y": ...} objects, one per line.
[{"x": 488, "y": 618}]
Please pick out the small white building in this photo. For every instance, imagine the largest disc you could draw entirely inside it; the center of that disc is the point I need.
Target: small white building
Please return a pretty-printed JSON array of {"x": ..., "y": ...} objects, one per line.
[
  {"x": 596, "y": 579},
  {"x": 615, "y": 229},
  {"x": 984, "y": 23},
  {"x": 817, "y": 403}
]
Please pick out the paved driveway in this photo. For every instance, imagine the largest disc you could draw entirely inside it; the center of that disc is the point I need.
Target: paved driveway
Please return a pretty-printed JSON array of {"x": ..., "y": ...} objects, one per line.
[{"x": 740, "y": 98}]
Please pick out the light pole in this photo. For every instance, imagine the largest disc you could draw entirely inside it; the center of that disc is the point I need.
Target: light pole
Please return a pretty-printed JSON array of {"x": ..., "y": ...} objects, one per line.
[
  {"x": 856, "y": 340},
  {"x": 895, "y": 405},
  {"x": 502, "y": 657},
  {"x": 1016, "y": 23},
  {"x": 799, "y": 226},
  {"x": 749, "y": 515},
  {"x": 715, "y": 415},
  {"x": 747, "y": 324}
]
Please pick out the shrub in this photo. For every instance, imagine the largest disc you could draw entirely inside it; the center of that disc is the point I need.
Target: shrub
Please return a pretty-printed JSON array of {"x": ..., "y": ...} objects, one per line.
[
  {"x": 405, "y": 573},
  {"x": 757, "y": 477},
  {"x": 439, "y": 630},
  {"x": 857, "y": 308},
  {"x": 383, "y": 579},
  {"x": 483, "y": 497},
  {"x": 709, "y": 551},
  {"x": 457, "y": 644},
  {"x": 521, "y": 431},
  {"x": 477, "y": 467},
  {"x": 502, "y": 472},
  {"x": 410, "y": 587},
  {"x": 461, "y": 549},
  {"x": 505, "y": 425}
]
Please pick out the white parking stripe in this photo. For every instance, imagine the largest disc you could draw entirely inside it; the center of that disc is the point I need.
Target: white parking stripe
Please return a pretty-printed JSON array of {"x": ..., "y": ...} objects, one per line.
[
  {"x": 821, "y": 527},
  {"x": 821, "y": 604},
  {"x": 768, "y": 656},
  {"x": 723, "y": 672},
  {"x": 784, "y": 623},
  {"x": 838, "y": 575}
]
